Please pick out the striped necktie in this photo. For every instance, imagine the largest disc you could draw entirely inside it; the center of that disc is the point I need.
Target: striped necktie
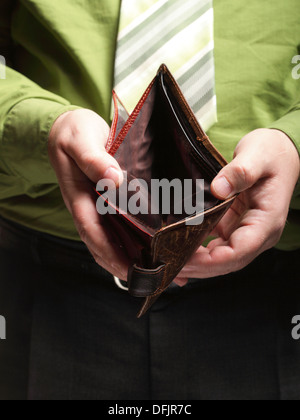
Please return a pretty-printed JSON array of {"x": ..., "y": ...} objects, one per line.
[{"x": 178, "y": 33}]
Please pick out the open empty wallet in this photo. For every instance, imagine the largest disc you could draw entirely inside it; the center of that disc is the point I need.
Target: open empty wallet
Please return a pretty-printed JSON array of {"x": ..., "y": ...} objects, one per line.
[{"x": 160, "y": 140}]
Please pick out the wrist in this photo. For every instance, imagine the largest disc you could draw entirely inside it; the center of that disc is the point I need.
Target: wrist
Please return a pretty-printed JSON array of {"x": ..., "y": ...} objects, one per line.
[
  {"x": 290, "y": 148},
  {"x": 57, "y": 124}
]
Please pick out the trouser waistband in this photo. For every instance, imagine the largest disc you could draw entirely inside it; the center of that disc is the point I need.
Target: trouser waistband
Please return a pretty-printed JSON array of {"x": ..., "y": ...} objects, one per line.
[
  {"x": 53, "y": 251},
  {"x": 46, "y": 249}
]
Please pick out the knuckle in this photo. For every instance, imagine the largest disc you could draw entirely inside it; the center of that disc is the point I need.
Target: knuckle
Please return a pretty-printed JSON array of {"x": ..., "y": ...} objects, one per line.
[
  {"x": 77, "y": 212},
  {"x": 63, "y": 137},
  {"x": 282, "y": 223},
  {"x": 240, "y": 264},
  {"x": 98, "y": 260},
  {"x": 278, "y": 231},
  {"x": 244, "y": 174},
  {"x": 89, "y": 162},
  {"x": 82, "y": 232},
  {"x": 80, "y": 222}
]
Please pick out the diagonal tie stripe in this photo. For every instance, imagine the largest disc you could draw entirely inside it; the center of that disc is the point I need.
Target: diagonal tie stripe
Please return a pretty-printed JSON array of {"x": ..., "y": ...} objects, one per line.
[
  {"x": 157, "y": 42},
  {"x": 152, "y": 18},
  {"x": 177, "y": 33},
  {"x": 199, "y": 66},
  {"x": 171, "y": 13}
]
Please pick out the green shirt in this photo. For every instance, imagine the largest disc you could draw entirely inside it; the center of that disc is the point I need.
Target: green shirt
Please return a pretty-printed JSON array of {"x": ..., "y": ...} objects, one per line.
[{"x": 61, "y": 53}]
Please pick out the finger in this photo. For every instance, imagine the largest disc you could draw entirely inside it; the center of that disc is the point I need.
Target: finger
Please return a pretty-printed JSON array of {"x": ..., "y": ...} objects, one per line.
[
  {"x": 240, "y": 175},
  {"x": 95, "y": 237},
  {"x": 98, "y": 165},
  {"x": 87, "y": 149},
  {"x": 231, "y": 220},
  {"x": 216, "y": 242},
  {"x": 181, "y": 282},
  {"x": 79, "y": 198},
  {"x": 224, "y": 257}
]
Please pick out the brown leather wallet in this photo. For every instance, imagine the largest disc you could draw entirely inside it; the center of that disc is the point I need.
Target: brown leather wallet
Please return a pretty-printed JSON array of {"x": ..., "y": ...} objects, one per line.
[{"x": 161, "y": 139}]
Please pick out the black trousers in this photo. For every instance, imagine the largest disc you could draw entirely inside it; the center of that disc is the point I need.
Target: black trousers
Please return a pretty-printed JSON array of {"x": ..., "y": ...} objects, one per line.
[{"x": 72, "y": 334}]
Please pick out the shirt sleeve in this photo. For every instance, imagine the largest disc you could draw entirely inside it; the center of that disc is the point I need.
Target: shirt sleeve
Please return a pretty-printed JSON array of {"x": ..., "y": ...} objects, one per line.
[
  {"x": 290, "y": 125},
  {"x": 27, "y": 113}
]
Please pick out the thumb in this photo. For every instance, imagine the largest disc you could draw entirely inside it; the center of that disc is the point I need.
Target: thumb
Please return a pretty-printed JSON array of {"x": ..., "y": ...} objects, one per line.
[
  {"x": 101, "y": 165},
  {"x": 240, "y": 175},
  {"x": 87, "y": 149}
]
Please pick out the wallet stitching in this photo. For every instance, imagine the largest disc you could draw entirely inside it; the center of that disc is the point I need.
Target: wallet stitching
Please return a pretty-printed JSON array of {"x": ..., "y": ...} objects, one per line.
[
  {"x": 198, "y": 158},
  {"x": 114, "y": 125},
  {"x": 131, "y": 120},
  {"x": 186, "y": 106},
  {"x": 204, "y": 138},
  {"x": 207, "y": 212},
  {"x": 157, "y": 292},
  {"x": 141, "y": 222}
]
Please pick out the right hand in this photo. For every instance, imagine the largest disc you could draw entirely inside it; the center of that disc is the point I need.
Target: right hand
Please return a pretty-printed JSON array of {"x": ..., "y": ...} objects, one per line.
[{"x": 77, "y": 153}]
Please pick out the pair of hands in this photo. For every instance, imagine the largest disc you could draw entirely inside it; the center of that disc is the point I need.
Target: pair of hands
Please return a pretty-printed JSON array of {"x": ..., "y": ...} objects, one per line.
[{"x": 265, "y": 171}]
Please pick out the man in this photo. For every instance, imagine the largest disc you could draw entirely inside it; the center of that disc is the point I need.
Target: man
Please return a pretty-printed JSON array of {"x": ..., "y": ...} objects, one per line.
[{"x": 71, "y": 334}]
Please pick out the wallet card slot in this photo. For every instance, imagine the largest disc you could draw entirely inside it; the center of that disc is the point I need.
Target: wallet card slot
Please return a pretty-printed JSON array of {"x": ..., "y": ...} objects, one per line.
[
  {"x": 196, "y": 164},
  {"x": 188, "y": 130}
]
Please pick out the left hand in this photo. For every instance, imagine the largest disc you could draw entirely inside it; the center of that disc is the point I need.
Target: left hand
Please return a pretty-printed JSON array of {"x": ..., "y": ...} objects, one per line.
[
  {"x": 265, "y": 171},
  {"x": 77, "y": 152}
]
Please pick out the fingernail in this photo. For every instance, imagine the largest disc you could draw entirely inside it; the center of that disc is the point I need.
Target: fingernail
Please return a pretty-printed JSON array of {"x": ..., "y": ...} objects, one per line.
[
  {"x": 114, "y": 175},
  {"x": 222, "y": 187}
]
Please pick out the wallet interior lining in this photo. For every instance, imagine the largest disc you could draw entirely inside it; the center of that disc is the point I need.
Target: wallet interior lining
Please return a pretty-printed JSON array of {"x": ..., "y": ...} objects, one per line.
[{"x": 161, "y": 144}]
